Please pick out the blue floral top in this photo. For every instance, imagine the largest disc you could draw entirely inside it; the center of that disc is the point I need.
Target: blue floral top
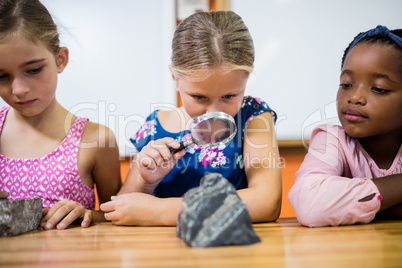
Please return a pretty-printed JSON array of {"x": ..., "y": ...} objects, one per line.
[{"x": 226, "y": 159}]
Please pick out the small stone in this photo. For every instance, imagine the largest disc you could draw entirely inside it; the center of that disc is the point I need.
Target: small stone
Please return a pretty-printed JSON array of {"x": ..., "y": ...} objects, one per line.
[
  {"x": 213, "y": 215},
  {"x": 19, "y": 216}
]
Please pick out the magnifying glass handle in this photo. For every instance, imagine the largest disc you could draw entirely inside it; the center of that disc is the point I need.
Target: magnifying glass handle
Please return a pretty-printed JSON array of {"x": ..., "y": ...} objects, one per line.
[
  {"x": 183, "y": 145},
  {"x": 173, "y": 151}
]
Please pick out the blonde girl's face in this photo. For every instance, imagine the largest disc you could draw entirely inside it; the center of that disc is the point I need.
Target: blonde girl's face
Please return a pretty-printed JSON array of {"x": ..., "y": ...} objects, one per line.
[
  {"x": 219, "y": 92},
  {"x": 28, "y": 75},
  {"x": 369, "y": 99}
]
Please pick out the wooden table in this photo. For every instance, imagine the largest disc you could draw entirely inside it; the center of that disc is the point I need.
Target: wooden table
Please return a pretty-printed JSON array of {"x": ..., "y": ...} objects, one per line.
[{"x": 284, "y": 244}]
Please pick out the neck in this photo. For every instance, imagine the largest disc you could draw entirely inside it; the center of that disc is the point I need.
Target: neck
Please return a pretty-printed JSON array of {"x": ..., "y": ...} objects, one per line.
[
  {"x": 187, "y": 119},
  {"x": 383, "y": 149},
  {"x": 175, "y": 120},
  {"x": 53, "y": 114}
]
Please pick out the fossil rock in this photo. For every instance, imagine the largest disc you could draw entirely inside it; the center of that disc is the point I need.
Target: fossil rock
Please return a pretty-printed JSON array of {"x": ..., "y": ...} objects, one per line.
[
  {"x": 19, "y": 216},
  {"x": 214, "y": 215}
]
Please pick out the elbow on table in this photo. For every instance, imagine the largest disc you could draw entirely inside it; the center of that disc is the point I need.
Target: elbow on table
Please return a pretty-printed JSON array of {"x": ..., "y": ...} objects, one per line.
[
  {"x": 274, "y": 210},
  {"x": 311, "y": 217},
  {"x": 308, "y": 205},
  {"x": 267, "y": 213},
  {"x": 308, "y": 213},
  {"x": 273, "y": 215}
]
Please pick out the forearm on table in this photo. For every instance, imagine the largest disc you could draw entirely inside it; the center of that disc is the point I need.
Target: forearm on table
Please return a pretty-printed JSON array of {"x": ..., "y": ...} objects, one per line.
[
  {"x": 394, "y": 212},
  {"x": 320, "y": 200},
  {"x": 262, "y": 207},
  {"x": 168, "y": 211},
  {"x": 390, "y": 190}
]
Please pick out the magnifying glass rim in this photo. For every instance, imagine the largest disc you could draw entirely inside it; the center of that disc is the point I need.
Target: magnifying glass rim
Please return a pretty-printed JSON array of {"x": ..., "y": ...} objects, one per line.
[{"x": 214, "y": 115}]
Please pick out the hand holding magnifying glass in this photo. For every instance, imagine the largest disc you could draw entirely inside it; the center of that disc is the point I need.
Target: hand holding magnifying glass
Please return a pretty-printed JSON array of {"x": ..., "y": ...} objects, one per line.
[{"x": 210, "y": 129}]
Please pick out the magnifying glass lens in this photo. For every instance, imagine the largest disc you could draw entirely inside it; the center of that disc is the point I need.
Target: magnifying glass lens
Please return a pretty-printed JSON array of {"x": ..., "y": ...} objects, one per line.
[{"x": 211, "y": 129}]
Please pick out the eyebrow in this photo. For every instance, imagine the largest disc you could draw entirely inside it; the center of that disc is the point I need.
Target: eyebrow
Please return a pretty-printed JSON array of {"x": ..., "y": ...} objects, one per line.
[
  {"x": 379, "y": 75},
  {"x": 29, "y": 62},
  {"x": 376, "y": 75},
  {"x": 33, "y": 61},
  {"x": 346, "y": 72}
]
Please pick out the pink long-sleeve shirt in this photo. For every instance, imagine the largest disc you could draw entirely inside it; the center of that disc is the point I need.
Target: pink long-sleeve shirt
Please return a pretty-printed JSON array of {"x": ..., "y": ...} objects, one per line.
[{"x": 335, "y": 174}]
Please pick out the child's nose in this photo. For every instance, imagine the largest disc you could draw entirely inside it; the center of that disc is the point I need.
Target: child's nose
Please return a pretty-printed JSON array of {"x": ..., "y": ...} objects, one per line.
[
  {"x": 357, "y": 96},
  {"x": 19, "y": 87},
  {"x": 214, "y": 107}
]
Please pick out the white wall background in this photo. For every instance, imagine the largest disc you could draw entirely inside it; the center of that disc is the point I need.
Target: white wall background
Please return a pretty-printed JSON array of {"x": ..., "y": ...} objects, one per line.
[{"x": 120, "y": 52}]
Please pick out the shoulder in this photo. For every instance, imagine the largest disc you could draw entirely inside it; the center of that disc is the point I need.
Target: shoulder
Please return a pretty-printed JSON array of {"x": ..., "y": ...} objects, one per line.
[
  {"x": 173, "y": 121},
  {"x": 264, "y": 120},
  {"x": 98, "y": 147},
  {"x": 255, "y": 103},
  {"x": 332, "y": 139},
  {"x": 330, "y": 132},
  {"x": 253, "y": 106},
  {"x": 98, "y": 134}
]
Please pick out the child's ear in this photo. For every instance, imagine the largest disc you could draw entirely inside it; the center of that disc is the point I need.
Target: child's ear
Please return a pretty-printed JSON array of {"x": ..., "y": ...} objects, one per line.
[
  {"x": 62, "y": 59},
  {"x": 174, "y": 78}
]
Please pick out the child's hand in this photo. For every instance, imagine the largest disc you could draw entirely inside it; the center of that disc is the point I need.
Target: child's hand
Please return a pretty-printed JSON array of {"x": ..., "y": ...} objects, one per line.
[
  {"x": 63, "y": 213},
  {"x": 132, "y": 209},
  {"x": 3, "y": 195},
  {"x": 155, "y": 160}
]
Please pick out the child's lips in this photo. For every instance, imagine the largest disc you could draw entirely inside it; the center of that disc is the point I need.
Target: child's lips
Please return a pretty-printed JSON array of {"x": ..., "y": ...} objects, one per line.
[
  {"x": 26, "y": 103},
  {"x": 354, "y": 115}
]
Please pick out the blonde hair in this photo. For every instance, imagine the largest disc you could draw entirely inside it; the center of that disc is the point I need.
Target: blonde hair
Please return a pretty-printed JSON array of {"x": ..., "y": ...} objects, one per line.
[
  {"x": 28, "y": 19},
  {"x": 206, "y": 41}
]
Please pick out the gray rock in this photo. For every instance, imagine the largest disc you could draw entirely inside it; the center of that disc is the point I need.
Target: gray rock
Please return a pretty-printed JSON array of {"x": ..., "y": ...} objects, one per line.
[
  {"x": 19, "y": 216},
  {"x": 213, "y": 215}
]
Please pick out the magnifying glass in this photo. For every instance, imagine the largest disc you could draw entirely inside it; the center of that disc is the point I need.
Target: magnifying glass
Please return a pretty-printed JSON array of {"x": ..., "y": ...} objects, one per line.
[{"x": 210, "y": 129}]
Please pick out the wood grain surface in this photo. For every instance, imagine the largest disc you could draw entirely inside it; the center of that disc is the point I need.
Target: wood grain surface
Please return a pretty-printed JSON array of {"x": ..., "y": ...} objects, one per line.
[{"x": 284, "y": 244}]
